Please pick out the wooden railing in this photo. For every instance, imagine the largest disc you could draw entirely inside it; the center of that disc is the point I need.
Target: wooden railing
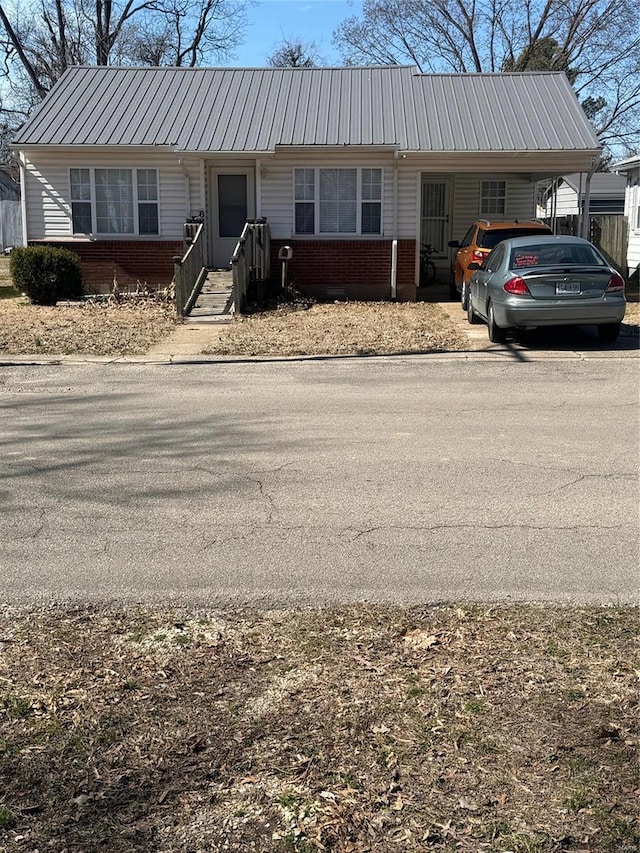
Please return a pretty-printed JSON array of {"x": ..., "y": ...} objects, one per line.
[
  {"x": 190, "y": 270},
  {"x": 251, "y": 261}
]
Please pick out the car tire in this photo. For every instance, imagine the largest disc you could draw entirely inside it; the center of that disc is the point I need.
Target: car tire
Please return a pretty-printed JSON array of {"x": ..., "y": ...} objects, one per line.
[
  {"x": 464, "y": 296},
  {"x": 497, "y": 335},
  {"x": 472, "y": 317},
  {"x": 608, "y": 332}
]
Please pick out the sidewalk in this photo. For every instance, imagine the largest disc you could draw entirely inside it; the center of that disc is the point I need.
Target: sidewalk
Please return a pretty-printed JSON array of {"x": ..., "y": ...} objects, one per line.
[{"x": 188, "y": 339}]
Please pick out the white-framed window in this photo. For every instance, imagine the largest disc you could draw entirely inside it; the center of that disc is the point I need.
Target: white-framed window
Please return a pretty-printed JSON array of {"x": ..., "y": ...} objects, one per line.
[
  {"x": 493, "y": 198},
  {"x": 114, "y": 201},
  {"x": 338, "y": 200}
]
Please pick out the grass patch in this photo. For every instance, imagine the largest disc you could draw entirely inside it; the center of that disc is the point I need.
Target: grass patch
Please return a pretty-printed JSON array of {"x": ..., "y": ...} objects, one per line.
[
  {"x": 338, "y": 729},
  {"x": 91, "y": 329},
  {"x": 345, "y": 328}
]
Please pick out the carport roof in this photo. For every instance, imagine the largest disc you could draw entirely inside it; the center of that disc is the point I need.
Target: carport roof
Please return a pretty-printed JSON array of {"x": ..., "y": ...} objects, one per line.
[{"x": 247, "y": 110}]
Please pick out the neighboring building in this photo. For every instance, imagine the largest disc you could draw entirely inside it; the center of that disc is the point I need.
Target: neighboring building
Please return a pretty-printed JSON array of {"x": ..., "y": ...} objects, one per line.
[
  {"x": 10, "y": 211},
  {"x": 631, "y": 169},
  {"x": 606, "y": 195},
  {"x": 341, "y": 162}
]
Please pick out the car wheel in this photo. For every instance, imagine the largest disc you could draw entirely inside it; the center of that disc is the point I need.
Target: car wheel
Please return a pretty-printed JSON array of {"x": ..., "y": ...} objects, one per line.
[
  {"x": 472, "y": 317},
  {"x": 608, "y": 332},
  {"x": 497, "y": 335},
  {"x": 464, "y": 296}
]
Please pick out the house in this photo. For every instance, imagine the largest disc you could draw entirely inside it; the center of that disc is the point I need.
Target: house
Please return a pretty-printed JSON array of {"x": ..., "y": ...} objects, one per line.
[
  {"x": 566, "y": 196},
  {"x": 352, "y": 167},
  {"x": 631, "y": 169}
]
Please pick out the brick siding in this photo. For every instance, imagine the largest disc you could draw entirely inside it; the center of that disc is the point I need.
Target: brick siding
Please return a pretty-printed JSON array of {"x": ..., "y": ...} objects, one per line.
[
  {"x": 357, "y": 269},
  {"x": 130, "y": 261}
]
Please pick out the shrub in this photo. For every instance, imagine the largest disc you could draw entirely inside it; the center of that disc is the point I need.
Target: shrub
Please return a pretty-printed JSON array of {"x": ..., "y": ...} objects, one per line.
[{"x": 46, "y": 273}]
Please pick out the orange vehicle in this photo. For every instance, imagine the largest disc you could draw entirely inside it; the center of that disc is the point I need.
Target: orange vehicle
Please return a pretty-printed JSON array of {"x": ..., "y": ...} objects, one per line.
[{"x": 478, "y": 242}]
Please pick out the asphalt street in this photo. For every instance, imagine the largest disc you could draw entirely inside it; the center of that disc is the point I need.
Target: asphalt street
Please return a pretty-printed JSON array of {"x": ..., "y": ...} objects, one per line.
[{"x": 404, "y": 479}]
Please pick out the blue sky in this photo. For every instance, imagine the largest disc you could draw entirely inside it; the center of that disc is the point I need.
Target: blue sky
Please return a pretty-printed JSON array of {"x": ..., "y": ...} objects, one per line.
[{"x": 271, "y": 21}]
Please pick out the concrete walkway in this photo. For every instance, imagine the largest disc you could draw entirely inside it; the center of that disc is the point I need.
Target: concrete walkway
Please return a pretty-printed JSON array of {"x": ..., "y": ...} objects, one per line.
[{"x": 188, "y": 339}]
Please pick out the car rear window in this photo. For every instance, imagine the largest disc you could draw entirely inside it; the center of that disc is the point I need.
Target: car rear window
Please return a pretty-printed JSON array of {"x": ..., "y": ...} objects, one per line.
[
  {"x": 536, "y": 255},
  {"x": 489, "y": 239}
]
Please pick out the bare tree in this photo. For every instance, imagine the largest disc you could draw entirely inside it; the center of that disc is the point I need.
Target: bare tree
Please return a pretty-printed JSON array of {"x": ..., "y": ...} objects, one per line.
[
  {"x": 294, "y": 53},
  {"x": 595, "y": 42},
  {"x": 41, "y": 38}
]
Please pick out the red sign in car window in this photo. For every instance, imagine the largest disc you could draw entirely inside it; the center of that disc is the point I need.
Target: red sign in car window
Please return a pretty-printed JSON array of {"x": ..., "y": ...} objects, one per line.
[{"x": 522, "y": 260}]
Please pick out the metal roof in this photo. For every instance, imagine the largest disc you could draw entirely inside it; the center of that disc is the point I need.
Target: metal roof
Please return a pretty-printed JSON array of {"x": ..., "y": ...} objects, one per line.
[
  {"x": 256, "y": 109},
  {"x": 603, "y": 184}
]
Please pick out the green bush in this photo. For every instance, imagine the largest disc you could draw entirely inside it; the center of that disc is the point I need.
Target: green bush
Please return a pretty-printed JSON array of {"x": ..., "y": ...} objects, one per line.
[{"x": 46, "y": 273}]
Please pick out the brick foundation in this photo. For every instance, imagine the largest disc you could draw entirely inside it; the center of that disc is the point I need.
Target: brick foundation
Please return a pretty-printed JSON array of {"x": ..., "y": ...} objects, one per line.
[
  {"x": 355, "y": 269},
  {"x": 130, "y": 261}
]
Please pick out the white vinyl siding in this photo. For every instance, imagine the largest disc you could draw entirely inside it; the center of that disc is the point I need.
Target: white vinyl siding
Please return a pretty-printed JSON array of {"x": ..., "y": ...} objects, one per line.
[
  {"x": 277, "y": 193},
  {"x": 632, "y": 212},
  {"x": 465, "y": 200},
  {"x": 520, "y": 201},
  {"x": 48, "y": 202},
  {"x": 566, "y": 201}
]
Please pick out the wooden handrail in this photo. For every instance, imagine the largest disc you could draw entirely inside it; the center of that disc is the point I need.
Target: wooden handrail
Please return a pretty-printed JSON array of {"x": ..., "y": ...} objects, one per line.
[
  {"x": 251, "y": 260},
  {"x": 190, "y": 272}
]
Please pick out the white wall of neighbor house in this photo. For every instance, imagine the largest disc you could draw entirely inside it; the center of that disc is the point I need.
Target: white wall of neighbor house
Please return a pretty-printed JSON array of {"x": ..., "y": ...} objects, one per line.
[
  {"x": 632, "y": 212},
  {"x": 47, "y": 189},
  {"x": 566, "y": 201}
]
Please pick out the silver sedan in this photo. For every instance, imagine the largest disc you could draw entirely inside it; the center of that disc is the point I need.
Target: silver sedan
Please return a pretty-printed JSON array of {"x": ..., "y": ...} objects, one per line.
[{"x": 546, "y": 281}]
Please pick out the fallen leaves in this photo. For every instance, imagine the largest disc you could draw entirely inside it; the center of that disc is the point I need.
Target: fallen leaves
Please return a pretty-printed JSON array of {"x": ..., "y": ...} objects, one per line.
[
  {"x": 343, "y": 328},
  {"x": 91, "y": 329},
  {"x": 342, "y": 729}
]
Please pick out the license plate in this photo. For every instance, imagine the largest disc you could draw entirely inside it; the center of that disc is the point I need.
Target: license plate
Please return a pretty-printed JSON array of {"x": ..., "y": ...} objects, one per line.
[{"x": 563, "y": 287}]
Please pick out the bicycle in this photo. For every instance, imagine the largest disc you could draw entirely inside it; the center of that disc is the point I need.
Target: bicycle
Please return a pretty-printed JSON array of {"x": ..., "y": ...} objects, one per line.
[{"x": 427, "y": 267}]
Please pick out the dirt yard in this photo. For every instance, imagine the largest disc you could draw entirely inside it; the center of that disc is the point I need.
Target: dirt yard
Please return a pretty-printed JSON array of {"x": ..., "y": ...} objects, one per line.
[
  {"x": 92, "y": 329},
  {"x": 346, "y": 729},
  {"x": 342, "y": 328}
]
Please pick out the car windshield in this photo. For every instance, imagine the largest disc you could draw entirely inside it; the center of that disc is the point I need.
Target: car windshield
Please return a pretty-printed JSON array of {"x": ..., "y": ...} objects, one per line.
[
  {"x": 554, "y": 254},
  {"x": 489, "y": 239}
]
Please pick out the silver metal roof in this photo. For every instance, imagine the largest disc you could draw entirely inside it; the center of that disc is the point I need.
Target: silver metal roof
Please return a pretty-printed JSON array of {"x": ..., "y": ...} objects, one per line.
[
  {"x": 257, "y": 109},
  {"x": 603, "y": 184}
]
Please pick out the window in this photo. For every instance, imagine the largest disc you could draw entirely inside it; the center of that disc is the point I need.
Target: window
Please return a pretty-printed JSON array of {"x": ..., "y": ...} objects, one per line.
[
  {"x": 493, "y": 198},
  {"x": 81, "y": 201},
  {"x": 338, "y": 201},
  {"x": 114, "y": 201}
]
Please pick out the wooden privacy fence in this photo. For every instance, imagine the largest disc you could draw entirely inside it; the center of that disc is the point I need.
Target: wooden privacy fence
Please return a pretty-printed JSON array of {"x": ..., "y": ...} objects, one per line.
[
  {"x": 609, "y": 233},
  {"x": 10, "y": 224}
]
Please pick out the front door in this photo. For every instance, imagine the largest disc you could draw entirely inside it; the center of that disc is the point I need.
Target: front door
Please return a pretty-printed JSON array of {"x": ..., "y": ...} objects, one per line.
[
  {"x": 434, "y": 211},
  {"x": 232, "y": 203}
]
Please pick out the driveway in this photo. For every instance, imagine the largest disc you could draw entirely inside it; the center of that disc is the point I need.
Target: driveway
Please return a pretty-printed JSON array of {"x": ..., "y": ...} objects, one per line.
[
  {"x": 565, "y": 340},
  {"x": 399, "y": 479}
]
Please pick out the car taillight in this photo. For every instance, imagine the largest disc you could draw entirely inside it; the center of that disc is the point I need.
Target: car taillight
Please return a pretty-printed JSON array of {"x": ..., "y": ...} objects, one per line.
[
  {"x": 616, "y": 283},
  {"x": 477, "y": 256},
  {"x": 517, "y": 286}
]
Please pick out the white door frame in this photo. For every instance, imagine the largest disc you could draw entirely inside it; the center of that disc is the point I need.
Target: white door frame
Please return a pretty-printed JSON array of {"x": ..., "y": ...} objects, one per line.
[{"x": 221, "y": 247}]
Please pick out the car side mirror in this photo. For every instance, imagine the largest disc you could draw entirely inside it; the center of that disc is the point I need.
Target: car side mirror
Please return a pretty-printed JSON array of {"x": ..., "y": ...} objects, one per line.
[
  {"x": 474, "y": 265},
  {"x": 454, "y": 244}
]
